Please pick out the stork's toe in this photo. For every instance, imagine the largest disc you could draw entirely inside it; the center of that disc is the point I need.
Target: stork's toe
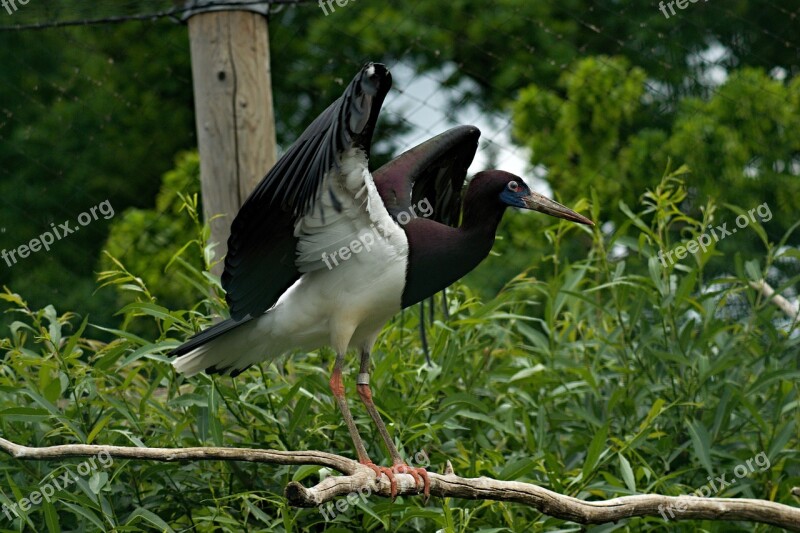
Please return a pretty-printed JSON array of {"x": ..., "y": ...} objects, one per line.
[
  {"x": 383, "y": 470},
  {"x": 419, "y": 474}
]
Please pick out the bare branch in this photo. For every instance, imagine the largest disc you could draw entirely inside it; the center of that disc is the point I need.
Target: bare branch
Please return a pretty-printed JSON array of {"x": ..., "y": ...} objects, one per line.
[
  {"x": 360, "y": 479},
  {"x": 171, "y": 455},
  {"x": 782, "y": 303}
]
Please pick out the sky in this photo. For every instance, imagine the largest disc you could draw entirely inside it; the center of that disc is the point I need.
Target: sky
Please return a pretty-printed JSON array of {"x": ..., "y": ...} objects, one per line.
[{"x": 422, "y": 101}]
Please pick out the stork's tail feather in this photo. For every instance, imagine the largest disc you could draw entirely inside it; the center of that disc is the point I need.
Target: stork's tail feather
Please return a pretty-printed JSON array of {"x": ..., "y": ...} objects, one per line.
[
  {"x": 226, "y": 348},
  {"x": 201, "y": 338}
]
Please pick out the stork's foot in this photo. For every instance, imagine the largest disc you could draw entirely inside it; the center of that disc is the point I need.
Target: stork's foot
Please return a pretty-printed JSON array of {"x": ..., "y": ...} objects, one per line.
[
  {"x": 419, "y": 474},
  {"x": 383, "y": 470},
  {"x": 375, "y": 468}
]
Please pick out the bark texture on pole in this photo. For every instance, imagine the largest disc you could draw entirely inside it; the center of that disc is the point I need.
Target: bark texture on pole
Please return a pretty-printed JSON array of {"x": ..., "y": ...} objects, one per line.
[
  {"x": 233, "y": 109},
  {"x": 360, "y": 480}
]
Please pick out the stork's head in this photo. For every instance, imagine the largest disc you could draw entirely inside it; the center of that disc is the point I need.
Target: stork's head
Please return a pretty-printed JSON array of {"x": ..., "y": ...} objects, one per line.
[
  {"x": 506, "y": 189},
  {"x": 364, "y": 98}
]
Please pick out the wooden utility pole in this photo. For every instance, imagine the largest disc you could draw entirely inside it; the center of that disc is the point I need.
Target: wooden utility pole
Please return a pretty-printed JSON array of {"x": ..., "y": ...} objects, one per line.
[{"x": 233, "y": 108}]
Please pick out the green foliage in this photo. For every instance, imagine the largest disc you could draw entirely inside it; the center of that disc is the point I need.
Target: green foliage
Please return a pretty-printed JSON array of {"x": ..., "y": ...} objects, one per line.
[
  {"x": 516, "y": 42},
  {"x": 615, "y": 375},
  {"x": 579, "y": 136},
  {"x": 147, "y": 240},
  {"x": 89, "y": 114},
  {"x": 597, "y": 132}
]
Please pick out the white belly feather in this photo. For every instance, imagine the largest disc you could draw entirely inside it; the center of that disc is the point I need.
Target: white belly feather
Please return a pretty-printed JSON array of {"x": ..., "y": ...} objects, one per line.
[
  {"x": 343, "y": 299},
  {"x": 354, "y": 262}
]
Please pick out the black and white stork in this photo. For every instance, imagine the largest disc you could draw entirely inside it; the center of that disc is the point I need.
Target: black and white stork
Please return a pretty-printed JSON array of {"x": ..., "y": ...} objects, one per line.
[{"x": 323, "y": 252}]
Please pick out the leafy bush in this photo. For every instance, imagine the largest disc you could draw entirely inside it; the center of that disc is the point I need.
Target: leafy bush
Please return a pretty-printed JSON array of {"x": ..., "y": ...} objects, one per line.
[
  {"x": 606, "y": 127},
  {"x": 148, "y": 240},
  {"x": 613, "y": 375}
]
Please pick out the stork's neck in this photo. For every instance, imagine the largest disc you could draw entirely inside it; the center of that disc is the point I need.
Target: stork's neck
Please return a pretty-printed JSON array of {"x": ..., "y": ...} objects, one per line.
[
  {"x": 481, "y": 216},
  {"x": 440, "y": 255}
]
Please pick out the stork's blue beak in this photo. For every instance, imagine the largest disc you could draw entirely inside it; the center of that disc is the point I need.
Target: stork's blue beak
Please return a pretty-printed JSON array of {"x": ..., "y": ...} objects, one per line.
[
  {"x": 527, "y": 199},
  {"x": 540, "y": 203}
]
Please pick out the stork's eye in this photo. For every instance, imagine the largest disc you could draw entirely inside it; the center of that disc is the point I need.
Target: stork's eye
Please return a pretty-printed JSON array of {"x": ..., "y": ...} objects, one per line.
[{"x": 513, "y": 186}]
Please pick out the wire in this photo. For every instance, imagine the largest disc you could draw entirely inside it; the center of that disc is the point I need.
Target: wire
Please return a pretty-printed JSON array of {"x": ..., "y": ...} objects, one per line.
[{"x": 174, "y": 13}]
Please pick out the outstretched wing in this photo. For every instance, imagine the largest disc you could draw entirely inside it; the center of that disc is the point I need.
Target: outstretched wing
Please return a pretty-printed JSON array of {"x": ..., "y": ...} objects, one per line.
[
  {"x": 431, "y": 172},
  {"x": 262, "y": 248}
]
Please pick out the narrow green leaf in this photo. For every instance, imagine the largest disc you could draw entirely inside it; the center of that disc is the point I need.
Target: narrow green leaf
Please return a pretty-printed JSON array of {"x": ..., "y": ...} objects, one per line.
[
  {"x": 627, "y": 473},
  {"x": 596, "y": 447},
  {"x": 701, "y": 441},
  {"x": 50, "y": 517},
  {"x": 148, "y": 516}
]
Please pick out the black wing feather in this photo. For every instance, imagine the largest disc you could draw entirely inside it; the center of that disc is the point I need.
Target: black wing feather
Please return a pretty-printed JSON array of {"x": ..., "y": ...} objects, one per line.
[
  {"x": 260, "y": 264},
  {"x": 434, "y": 170},
  {"x": 199, "y": 339}
]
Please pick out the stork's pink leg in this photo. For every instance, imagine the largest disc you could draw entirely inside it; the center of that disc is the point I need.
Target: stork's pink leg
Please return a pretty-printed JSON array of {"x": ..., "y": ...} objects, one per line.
[
  {"x": 337, "y": 388},
  {"x": 398, "y": 465}
]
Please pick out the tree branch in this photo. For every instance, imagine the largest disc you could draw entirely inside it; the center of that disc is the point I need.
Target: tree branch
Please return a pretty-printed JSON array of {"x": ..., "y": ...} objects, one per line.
[
  {"x": 361, "y": 480},
  {"x": 788, "y": 308}
]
